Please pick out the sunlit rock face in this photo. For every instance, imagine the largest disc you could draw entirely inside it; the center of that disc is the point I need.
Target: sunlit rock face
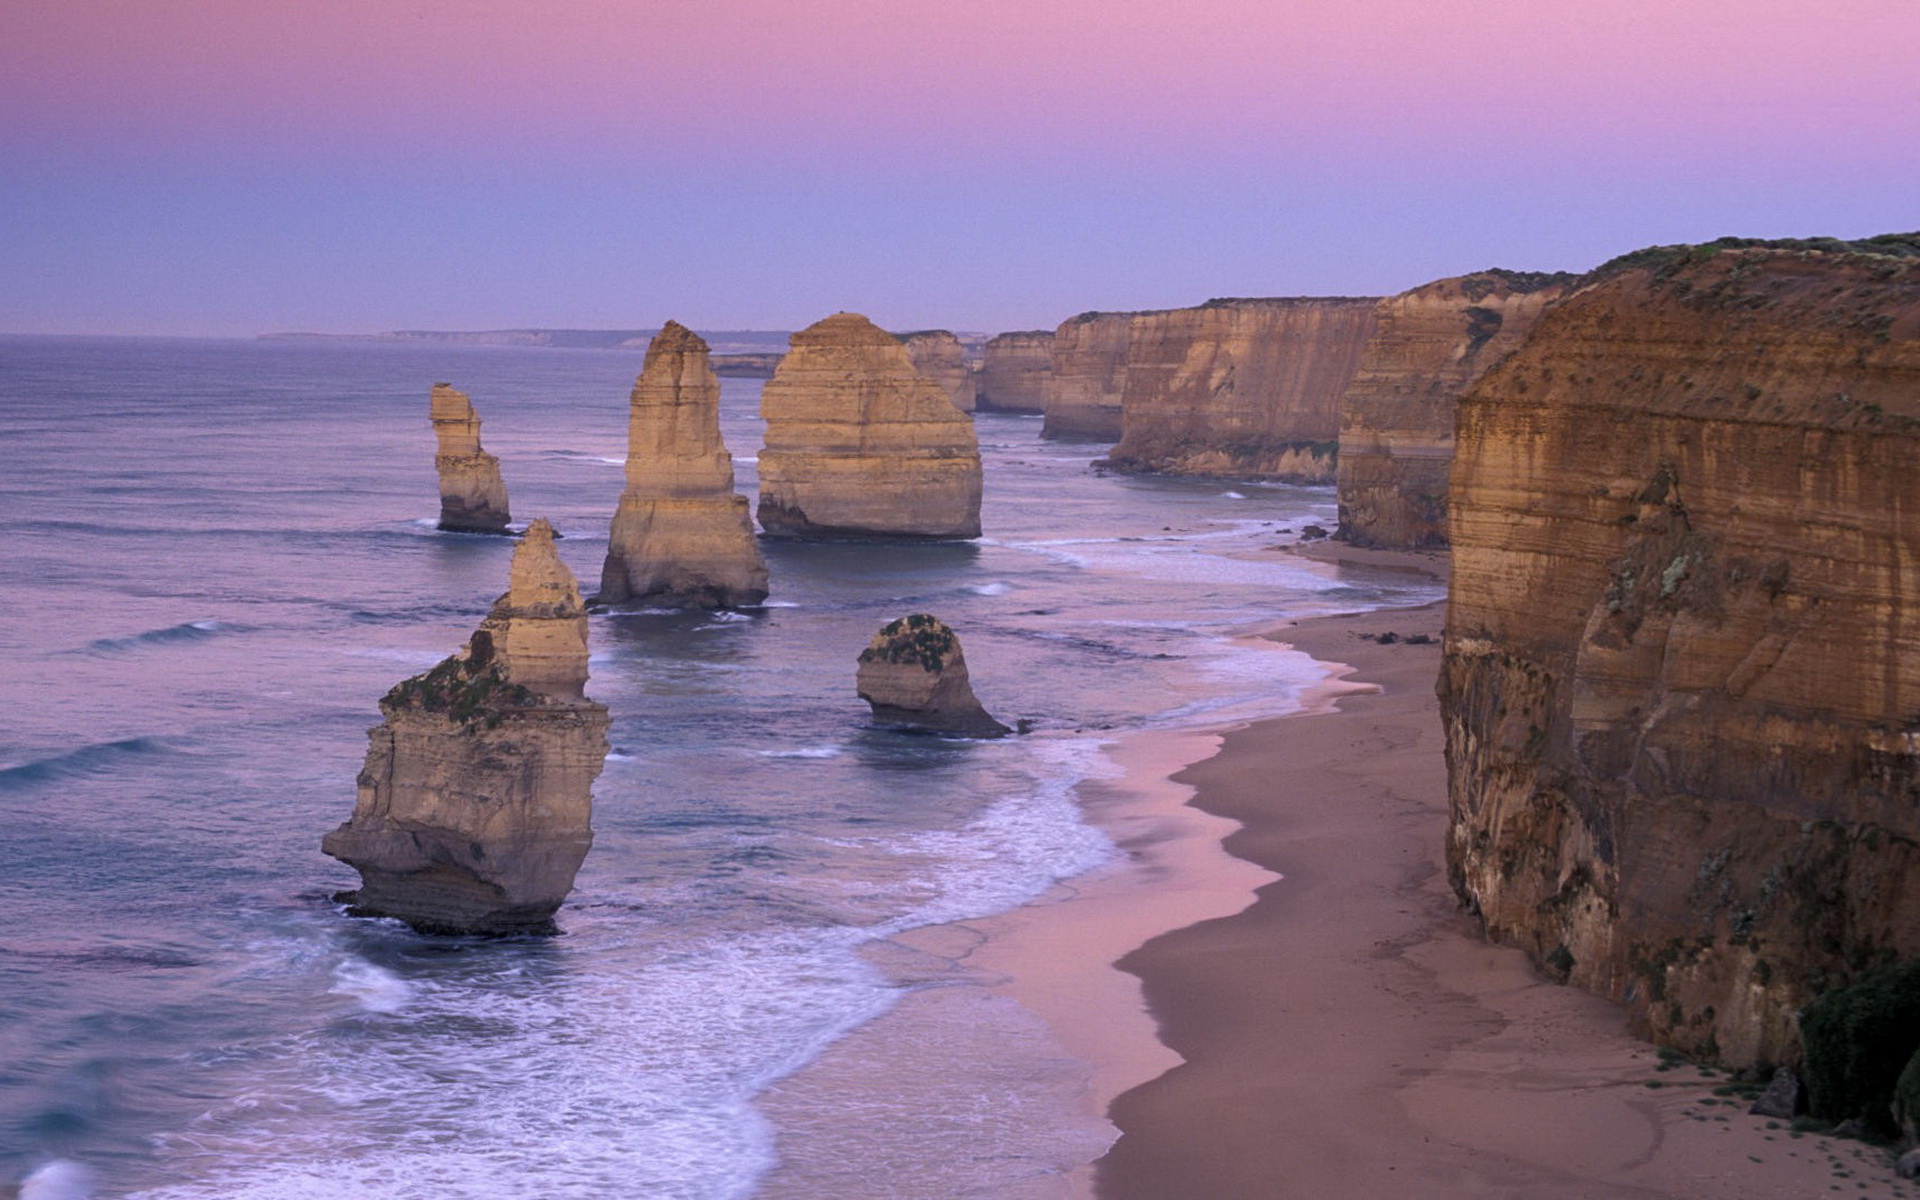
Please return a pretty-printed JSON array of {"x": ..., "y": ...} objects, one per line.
[
  {"x": 682, "y": 537},
  {"x": 1241, "y": 389},
  {"x": 942, "y": 357},
  {"x": 1088, "y": 377},
  {"x": 475, "y": 803},
  {"x": 473, "y": 499},
  {"x": 1396, "y": 418},
  {"x": 1681, "y": 687},
  {"x": 1014, "y": 371},
  {"x": 914, "y": 676},
  {"x": 861, "y": 445}
]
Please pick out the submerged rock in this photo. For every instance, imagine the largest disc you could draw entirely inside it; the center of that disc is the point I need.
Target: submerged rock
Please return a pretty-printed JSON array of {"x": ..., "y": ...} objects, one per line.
[
  {"x": 473, "y": 499},
  {"x": 682, "y": 536},
  {"x": 475, "y": 804},
  {"x": 915, "y": 677}
]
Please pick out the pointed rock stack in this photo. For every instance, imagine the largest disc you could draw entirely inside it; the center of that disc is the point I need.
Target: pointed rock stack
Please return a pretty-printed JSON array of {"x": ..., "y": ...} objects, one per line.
[
  {"x": 473, "y": 499},
  {"x": 915, "y": 677},
  {"x": 861, "y": 445},
  {"x": 475, "y": 804},
  {"x": 682, "y": 536}
]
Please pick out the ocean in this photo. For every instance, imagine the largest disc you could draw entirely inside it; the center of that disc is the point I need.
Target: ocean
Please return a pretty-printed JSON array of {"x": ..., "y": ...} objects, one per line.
[{"x": 220, "y": 554}]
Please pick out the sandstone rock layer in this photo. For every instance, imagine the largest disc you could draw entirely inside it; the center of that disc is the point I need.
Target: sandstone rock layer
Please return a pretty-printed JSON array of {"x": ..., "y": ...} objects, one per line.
[
  {"x": 1088, "y": 377},
  {"x": 475, "y": 804},
  {"x": 861, "y": 445},
  {"x": 1396, "y": 418},
  {"x": 1681, "y": 688},
  {"x": 1014, "y": 370},
  {"x": 682, "y": 537},
  {"x": 914, "y": 676},
  {"x": 1244, "y": 389},
  {"x": 942, "y": 357},
  {"x": 473, "y": 498}
]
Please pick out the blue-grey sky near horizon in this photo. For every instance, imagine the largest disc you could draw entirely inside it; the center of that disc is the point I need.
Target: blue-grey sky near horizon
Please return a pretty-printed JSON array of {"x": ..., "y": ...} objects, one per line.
[{"x": 230, "y": 168}]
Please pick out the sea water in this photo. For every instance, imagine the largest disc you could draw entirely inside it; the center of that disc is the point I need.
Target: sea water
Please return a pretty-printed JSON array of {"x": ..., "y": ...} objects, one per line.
[{"x": 220, "y": 554}]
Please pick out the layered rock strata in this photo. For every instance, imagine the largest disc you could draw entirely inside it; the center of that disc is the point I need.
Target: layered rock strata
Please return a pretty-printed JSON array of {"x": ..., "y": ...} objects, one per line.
[
  {"x": 473, "y": 499},
  {"x": 475, "y": 804},
  {"x": 1681, "y": 688},
  {"x": 682, "y": 537},
  {"x": 1088, "y": 377},
  {"x": 1243, "y": 389},
  {"x": 1396, "y": 417},
  {"x": 861, "y": 445},
  {"x": 915, "y": 677},
  {"x": 1013, "y": 371},
  {"x": 940, "y": 356}
]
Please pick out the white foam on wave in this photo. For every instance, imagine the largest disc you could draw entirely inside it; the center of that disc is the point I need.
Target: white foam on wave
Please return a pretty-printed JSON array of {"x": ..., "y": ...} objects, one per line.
[
  {"x": 377, "y": 989},
  {"x": 1234, "y": 495},
  {"x": 806, "y": 752},
  {"x": 60, "y": 1179},
  {"x": 996, "y": 588}
]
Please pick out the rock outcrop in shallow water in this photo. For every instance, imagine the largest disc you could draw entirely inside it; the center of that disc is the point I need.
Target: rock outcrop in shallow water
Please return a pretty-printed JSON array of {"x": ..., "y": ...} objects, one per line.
[
  {"x": 1681, "y": 688},
  {"x": 1241, "y": 389},
  {"x": 682, "y": 537},
  {"x": 475, "y": 804},
  {"x": 1014, "y": 370},
  {"x": 940, "y": 356},
  {"x": 915, "y": 677},
  {"x": 473, "y": 498},
  {"x": 861, "y": 445},
  {"x": 1396, "y": 418}
]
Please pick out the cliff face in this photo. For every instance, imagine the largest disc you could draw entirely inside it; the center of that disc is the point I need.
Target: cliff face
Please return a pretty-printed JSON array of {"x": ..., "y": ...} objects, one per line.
[
  {"x": 860, "y": 444},
  {"x": 682, "y": 537},
  {"x": 1396, "y": 418},
  {"x": 473, "y": 499},
  {"x": 914, "y": 676},
  {"x": 940, "y": 356},
  {"x": 1241, "y": 388},
  {"x": 1013, "y": 374},
  {"x": 1682, "y": 678},
  {"x": 1088, "y": 377},
  {"x": 475, "y": 804}
]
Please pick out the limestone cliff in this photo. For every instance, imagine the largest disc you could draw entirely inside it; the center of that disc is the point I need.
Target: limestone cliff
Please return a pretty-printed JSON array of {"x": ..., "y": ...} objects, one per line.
[
  {"x": 915, "y": 677},
  {"x": 939, "y": 355},
  {"x": 861, "y": 445},
  {"x": 1014, "y": 370},
  {"x": 1087, "y": 377},
  {"x": 1396, "y": 418},
  {"x": 475, "y": 804},
  {"x": 1246, "y": 389},
  {"x": 473, "y": 499},
  {"x": 1681, "y": 687},
  {"x": 682, "y": 537}
]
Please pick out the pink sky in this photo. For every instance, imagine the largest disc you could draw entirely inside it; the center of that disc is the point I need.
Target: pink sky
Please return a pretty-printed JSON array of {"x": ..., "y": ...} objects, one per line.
[{"x": 1080, "y": 154}]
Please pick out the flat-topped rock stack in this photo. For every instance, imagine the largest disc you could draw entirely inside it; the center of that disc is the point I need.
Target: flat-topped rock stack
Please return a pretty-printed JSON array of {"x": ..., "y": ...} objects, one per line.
[
  {"x": 1087, "y": 378},
  {"x": 861, "y": 445},
  {"x": 473, "y": 498},
  {"x": 1014, "y": 370},
  {"x": 476, "y": 800},
  {"x": 915, "y": 677},
  {"x": 941, "y": 357},
  {"x": 682, "y": 537}
]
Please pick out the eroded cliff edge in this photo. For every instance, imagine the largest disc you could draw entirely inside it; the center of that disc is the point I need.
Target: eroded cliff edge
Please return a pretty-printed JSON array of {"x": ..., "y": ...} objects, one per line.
[
  {"x": 1681, "y": 687},
  {"x": 1013, "y": 371},
  {"x": 1396, "y": 418}
]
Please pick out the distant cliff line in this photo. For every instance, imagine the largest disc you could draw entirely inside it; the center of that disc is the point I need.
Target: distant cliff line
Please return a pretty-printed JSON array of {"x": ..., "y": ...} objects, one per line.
[{"x": 742, "y": 341}]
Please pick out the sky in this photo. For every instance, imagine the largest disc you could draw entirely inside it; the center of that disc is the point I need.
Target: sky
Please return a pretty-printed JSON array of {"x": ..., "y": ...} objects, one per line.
[{"x": 234, "y": 167}]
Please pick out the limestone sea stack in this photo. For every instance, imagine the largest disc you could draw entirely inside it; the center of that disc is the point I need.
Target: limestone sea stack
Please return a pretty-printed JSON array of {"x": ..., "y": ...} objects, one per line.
[
  {"x": 1013, "y": 371},
  {"x": 861, "y": 445},
  {"x": 1396, "y": 418},
  {"x": 682, "y": 537},
  {"x": 1088, "y": 377},
  {"x": 1681, "y": 682},
  {"x": 915, "y": 677},
  {"x": 1241, "y": 389},
  {"x": 473, "y": 499},
  {"x": 475, "y": 804},
  {"x": 942, "y": 357}
]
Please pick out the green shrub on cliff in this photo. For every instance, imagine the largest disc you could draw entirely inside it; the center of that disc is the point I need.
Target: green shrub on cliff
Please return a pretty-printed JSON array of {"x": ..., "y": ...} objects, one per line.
[{"x": 1857, "y": 1040}]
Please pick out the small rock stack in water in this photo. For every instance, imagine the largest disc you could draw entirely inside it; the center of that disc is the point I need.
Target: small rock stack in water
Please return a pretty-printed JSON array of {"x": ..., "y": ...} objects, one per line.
[
  {"x": 682, "y": 536},
  {"x": 473, "y": 498},
  {"x": 914, "y": 676},
  {"x": 475, "y": 806}
]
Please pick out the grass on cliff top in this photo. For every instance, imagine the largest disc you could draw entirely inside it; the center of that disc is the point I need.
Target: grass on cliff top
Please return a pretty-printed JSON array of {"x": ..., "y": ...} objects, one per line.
[
  {"x": 916, "y": 638},
  {"x": 1666, "y": 259},
  {"x": 1481, "y": 284}
]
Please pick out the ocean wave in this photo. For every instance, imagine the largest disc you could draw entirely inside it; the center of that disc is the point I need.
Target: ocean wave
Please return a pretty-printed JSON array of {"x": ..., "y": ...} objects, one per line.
[
  {"x": 186, "y": 631},
  {"x": 96, "y": 759},
  {"x": 834, "y": 751}
]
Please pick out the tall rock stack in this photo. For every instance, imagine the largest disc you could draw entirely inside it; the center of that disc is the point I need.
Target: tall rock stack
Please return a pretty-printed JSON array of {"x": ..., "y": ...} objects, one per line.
[
  {"x": 1088, "y": 377},
  {"x": 939, "y": 355},
  {"x": 475, "y": 804},
  {"x": 1241, "y": 389},
  {"x": 682, "y": 537},
  {"x": 1681, "y": 683},
  {"x": 473, "y": 499},
  {"x": 861, "y": 445},
  {"x": 1014, "y": 371},
  {"x": 1396, "y": 419}
]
